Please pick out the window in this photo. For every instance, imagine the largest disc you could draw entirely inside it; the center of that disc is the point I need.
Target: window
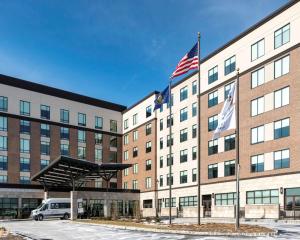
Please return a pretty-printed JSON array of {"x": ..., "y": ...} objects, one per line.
[
  {"x": 45, "y": 130},
  {"x": 282, "y": 128},
  {"x": 188, "y": 201},
  {"x": 257, "y": 106},
  {"x": 183, "y": 93},
  {"x": 229, "y": 142},
  {"x": 24, "y": 145},
  {"x": 258, "y": 49},
  {"x": 194, "y": 175},
  {"x": 3, "y": 179},
  {"x": 161, "y": 143},
  {"x": 98, "y": 138},
  {"x": 227, "y": 89},
  {"x": 148, "y": 111},
  {"x": 24, "y": 108},
  {"x": 3, "y": 163},
  {"x": 98, "y": 122},
  {"x": 126, "y": 155},
  {"x": 173, "y": 202},
  {"x": 135, "y": 135},
  {"x": 148, "y": 164},
  {"x": 134, "y": 184},
  {"x": 229, "y": 65},
  {"x": 183, "y": 155},
  {"x": 225, "y": 198},
  {"x": 229, "y": 169},
  {"x": 161, "y": 162},
  {"x": 168, "y": 159},
  {"x": 168, "y": 121},
  {"x": 45, "y": 148},
  {"x": 81, "y": 152},
  {"x": 183, "y": 114},
  {"x": 64, "y": 149},
  {"x": 24, "y": 165},
  {"x": 263, "y": 197},
  {"x": 194, "y": 87},
  {"x": 281, "y": 66},
  {"x": 64, "y": 133},
  {"x": 257, "y": 77},
  {"x": 24, "y": 127},
  {"x": 113, "y": 126},
  {"x": 113, "y": 156},
  {"x": 183, "y": 177},
  {"x": 126, "y": 139},
  {"x": 170, "y": 141},
  {"x": 64, "y": 116},
  {"x": 282, "y": 97},
  {"x": 125, "y": 124},
  {"x": 148, "y": 146},
  {"x": 282, "y": 36},
  {"x": 194, "y": 109},
  {"x": 148, "y": 183},
  {"x": 135, "y": 168},
  {"x": 3, "y": 104},
  {"x": 113, "y": 142},
  {"x": 125, "y": 185},
  {"x": 257, "y": 163},
  {"x": 212, "y": 123},
  {"x": 134, "y": 119},
  {"x": 213, "y": 75},
  {"x": 194, "y": 131},
  {"x": 24, "y": 180},
  {"x": 282, "y": 159},
  {"x": 161, "y": 124},
  {"x": 169, "y": 179},
  {"x": 44, "y": 163},
  {"x": 257, "y": 134},
  {"x": 126, "y": 172},
  {"x": 213, "y": 147},
  {"x": 98, "y": 155},
  {"x": 161, "y": 181},
  {"x": 148, "y": 202},
  {"x": 183, "y": 135},
  {"x": 45, "y": 112},
  {"x": 135, "y": 152},
  {"x": 213, "y": 99},
  {"x": 81, "y": 119},
  {"x": 194, "y": 153},
  {"x": 3, "y": 143},
  {"x": 81, "y": 136},
  {"x": 148, "y": 128},
  {"x": 3, "y": 123},
  {"x": 212, "y": 171}
]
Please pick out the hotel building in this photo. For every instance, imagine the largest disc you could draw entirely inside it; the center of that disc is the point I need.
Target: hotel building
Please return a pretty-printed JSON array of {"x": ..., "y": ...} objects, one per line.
[{"x": 267, "y": 55}]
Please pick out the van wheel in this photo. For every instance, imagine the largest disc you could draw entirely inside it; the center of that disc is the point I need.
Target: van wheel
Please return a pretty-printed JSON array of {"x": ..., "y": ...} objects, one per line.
[
  {"x": 66, "y": 216},
  {"x": 36, "y": 218},
  {"x": 40, "y": 217}
]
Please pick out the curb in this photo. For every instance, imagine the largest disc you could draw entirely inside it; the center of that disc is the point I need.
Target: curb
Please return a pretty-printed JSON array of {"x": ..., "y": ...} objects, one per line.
[{"x": 183, "y": 232}]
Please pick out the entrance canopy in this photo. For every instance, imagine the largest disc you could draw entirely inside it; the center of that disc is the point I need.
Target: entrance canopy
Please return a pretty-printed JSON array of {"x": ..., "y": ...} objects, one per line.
[{"x": 71, "y": 172}]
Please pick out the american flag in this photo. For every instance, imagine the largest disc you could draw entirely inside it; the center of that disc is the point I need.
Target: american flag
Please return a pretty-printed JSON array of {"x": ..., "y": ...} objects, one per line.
[{"x": 188, "y": 62}]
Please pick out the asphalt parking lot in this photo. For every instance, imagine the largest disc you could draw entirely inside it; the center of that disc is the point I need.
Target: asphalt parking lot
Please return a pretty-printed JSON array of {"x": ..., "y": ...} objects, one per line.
[{"x": 65, "y": 230}]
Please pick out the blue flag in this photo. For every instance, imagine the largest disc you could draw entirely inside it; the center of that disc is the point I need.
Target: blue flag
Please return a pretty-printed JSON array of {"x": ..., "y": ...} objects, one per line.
[{"x": 161, "y": 98}]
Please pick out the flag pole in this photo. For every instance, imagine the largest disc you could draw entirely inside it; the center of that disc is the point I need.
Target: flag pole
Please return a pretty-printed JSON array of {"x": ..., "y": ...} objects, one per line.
[
  {"x": 237, "y": 161},
  {"x": 199, "y": 138},
  {"x": 170, "y": 153}
]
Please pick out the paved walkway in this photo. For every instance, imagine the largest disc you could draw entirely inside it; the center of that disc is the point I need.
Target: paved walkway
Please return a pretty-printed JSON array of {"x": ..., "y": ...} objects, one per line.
[{"x": 65, "y": 230}]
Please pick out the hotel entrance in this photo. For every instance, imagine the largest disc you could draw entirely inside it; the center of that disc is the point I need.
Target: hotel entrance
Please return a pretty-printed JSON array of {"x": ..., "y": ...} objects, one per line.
[
  {"x": 292, "y": 202},
  {"x": 206, "y": 203}
]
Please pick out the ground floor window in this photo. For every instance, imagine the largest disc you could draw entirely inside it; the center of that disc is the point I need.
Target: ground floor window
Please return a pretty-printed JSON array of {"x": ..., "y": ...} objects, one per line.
[
  {"x": 187, "y": 201},
  {"x": 263, "y": 197},
  {"x": 173, "y": 202},
  {"x": 8, "y": 207},
  {"x": 292, "y": 199},
  {"x": 225, "y": 198},
  {"x": 147, "y": 203}
]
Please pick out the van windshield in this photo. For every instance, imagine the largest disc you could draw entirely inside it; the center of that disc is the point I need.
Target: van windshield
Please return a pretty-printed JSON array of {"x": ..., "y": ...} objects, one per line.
[{"x": 40, "y": 206}]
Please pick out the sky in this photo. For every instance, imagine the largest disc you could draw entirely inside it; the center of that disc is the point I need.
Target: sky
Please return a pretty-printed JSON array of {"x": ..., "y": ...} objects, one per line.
[{"x": 115, "y": 50}]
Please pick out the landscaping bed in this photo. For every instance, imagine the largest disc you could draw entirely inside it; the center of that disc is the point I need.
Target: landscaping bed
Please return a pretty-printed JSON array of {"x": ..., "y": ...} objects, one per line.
[
  {"x": 207, "y": 228},
  {"x": 5, "y": 235}
]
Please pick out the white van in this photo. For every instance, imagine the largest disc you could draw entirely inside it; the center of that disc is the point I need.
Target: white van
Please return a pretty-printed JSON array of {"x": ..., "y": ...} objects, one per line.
[{"x": 55, "y": 207}]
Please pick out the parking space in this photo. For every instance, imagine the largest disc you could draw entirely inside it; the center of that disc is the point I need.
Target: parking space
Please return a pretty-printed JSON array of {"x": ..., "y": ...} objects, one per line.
[{"x": 65, "y": 230}]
